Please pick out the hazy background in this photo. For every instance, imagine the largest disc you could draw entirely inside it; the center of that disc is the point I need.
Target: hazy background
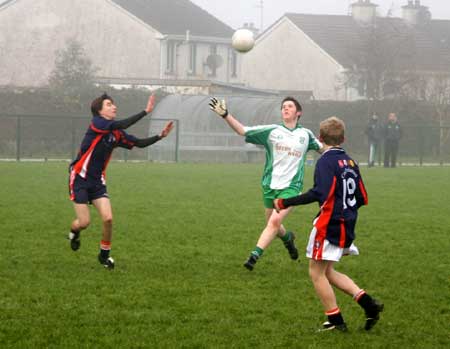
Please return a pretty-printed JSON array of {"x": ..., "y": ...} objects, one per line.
[{"x": 237, "y": 12}]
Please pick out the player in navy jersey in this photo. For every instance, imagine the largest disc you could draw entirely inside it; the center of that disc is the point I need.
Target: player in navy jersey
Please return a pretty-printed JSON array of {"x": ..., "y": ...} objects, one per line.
[
  {"x": 87, "y": 172},
  {"x": 339, "y": 190}
]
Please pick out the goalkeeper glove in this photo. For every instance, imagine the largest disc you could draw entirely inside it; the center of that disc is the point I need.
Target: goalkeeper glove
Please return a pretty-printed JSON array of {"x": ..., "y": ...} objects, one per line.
[{"x": 218, "y": 107}]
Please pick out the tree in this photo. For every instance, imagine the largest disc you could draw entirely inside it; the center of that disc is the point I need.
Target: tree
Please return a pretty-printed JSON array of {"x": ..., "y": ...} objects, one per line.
[
  {"x": 436, "y": 91},
  {"x": 72, "y": 80},
  {"x": 378, "y": 61}
]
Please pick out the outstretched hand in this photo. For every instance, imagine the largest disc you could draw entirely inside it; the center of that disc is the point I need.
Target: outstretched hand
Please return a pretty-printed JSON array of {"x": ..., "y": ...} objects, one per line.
[
  {"x": 150, "y": 104},
  {"x": 218, "y": 107},
  {"x": 165, "y": 132}
]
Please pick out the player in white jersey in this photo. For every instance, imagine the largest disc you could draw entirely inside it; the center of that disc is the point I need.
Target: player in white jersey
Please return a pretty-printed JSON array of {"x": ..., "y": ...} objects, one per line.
[{"x": 286, "y": 146}]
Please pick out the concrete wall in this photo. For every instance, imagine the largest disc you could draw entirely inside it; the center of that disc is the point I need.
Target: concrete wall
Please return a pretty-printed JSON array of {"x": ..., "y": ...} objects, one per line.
[
  {"x": 284, "y": 58},
  {"x": 32, "y": 31}
]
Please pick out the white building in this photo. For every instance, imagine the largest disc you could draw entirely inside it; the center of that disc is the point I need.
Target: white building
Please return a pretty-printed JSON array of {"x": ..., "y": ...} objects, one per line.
[
  {"x": 314, "y": 52},
  {"x": 125, "y": 39}
]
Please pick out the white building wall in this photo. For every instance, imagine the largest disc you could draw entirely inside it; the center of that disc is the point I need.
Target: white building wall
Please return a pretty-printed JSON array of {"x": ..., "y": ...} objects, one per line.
[
  {"x": 284, "y": 58},
  {"x": 31, "y": 32},
  {"x": 202, "y": 71}
]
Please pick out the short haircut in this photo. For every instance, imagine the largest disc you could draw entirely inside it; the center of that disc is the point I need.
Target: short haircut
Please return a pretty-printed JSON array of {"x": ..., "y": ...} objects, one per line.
[
  {"x": 332, "y": 131},
  {"x": 97, "y": 104},
  {"x": 293, "y": 100}
]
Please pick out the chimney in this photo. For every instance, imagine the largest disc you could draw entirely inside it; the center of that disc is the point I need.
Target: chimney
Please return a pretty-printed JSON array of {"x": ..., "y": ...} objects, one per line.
[
  {"x": 364, "y": 12},
  {"x": 251, "y": 26},
  {"x": 414, "y": 13}
]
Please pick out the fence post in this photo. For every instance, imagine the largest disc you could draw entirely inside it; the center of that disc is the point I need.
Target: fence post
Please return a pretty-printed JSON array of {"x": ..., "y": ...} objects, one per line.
[
  {"x": 18, "y": 137},
  {"x": 421, "y": 144},
  {"x": 73, "y": 138},
  {"x": 177, "y": 140}
]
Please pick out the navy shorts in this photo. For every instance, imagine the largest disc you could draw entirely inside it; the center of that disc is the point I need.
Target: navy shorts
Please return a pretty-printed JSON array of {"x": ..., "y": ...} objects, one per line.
[{"x": 83, "y": 191}]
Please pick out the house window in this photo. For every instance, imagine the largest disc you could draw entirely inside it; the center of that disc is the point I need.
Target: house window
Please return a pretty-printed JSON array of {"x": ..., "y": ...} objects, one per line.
[
  {"x": 192, "y": 58},
  {"x": 233, "y": 63},
  {"x": 170, "y": 57},
  {"x": 213, "y": 61}
]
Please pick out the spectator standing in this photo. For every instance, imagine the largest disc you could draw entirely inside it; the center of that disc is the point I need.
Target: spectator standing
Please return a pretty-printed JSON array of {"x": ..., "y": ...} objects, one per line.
[
  {"x": 392, "y": 135},
  {"x": 374, "y": 132}
]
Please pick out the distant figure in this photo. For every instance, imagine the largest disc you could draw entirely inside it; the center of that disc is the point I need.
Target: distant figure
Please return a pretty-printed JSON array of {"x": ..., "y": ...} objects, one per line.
[
  {"x": 392, "y": 135},
  {"x": 374, "y": 132}
]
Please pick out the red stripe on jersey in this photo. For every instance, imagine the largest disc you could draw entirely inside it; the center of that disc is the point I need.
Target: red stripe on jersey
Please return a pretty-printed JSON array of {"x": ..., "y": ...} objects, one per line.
[
  {"x": 104, "y": 169},
  {"x": 363, "y": 192},
  {"x": 97, "y": 130},
  {"x": 118, "y": 135},
  {"x": 82, "y": 164},
  {"x": 73, "y": 175},
  {"x": 342, "y": 235},
  {"x": 322, "y": 222}
]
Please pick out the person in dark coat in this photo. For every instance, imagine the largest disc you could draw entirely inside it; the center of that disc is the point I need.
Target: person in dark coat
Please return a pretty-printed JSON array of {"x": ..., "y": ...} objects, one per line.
[{"x": 374, "y": 132}]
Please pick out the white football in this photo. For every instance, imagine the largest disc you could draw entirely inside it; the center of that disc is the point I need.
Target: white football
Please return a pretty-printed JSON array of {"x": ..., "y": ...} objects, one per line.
[{"x": 243, "y": 40}]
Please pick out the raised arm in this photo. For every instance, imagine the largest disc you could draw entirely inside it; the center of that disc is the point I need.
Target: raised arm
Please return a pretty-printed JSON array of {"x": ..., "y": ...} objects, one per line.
[
  {"x": 220, "y": 108},
  {"x": 145, "y": 142},
  {"x": 125, "y": 123}
]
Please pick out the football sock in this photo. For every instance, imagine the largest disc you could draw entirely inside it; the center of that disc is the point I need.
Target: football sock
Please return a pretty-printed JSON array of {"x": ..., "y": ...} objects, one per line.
[
  {"x": 334, "y": 316},
  {"x": 74, "y": 233},
  {"x": 363, "y": 299},
  {"x": 105, "y": 247},
  {"x": 287, "y": 236},
  {"x": 257, "y": 252}
]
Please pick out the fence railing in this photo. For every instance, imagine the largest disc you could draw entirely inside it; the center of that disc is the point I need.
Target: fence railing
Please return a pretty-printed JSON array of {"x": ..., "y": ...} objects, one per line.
[
  {"x": 41, "y": 137},
  {"x": 44, "y": 137}
]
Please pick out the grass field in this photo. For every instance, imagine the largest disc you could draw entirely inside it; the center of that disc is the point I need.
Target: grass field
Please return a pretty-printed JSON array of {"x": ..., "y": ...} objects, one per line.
[{"x": 181, "y": 234}]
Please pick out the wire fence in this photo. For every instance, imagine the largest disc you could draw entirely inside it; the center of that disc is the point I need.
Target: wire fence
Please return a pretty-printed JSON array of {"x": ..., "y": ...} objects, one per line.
[{"x": 47, "y": 138}]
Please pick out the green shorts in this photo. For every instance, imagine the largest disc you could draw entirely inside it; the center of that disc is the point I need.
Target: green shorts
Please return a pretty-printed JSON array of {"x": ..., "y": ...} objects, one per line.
[{"x": 271, "y": 194}]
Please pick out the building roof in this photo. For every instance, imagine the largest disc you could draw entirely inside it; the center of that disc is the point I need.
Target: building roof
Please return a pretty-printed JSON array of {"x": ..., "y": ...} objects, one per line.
[
  {"x": 341, "y": 35},
  {"x": 176, "y": 17}
]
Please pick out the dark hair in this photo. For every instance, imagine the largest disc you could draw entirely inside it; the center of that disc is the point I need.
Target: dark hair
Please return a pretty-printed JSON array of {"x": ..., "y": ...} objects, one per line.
[
  {"x": 292, "y": 99},
  {"x": 97, "y": 103}
]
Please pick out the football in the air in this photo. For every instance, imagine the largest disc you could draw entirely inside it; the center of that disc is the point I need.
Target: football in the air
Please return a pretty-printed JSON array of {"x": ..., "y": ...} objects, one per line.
[{"x": 243, "y": 40}]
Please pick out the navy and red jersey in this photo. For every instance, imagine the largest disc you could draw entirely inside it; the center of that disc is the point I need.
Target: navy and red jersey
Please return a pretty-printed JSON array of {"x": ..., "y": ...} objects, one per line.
[
  {"x": 96, "y": 148},
  {"x": 340, "y": 191}
]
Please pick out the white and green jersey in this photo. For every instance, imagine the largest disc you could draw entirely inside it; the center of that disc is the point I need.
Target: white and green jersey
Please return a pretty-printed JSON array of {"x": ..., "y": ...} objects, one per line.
[{"x": 285, "y": 153}]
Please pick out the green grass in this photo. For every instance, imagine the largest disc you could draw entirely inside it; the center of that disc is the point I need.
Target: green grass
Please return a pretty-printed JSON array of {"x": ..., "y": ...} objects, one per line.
[{"x": 181, "y": 234}]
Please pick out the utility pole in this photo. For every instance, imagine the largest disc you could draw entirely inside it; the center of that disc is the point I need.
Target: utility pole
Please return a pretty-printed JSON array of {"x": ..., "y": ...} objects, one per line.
[{"x": 261, "y": 13}]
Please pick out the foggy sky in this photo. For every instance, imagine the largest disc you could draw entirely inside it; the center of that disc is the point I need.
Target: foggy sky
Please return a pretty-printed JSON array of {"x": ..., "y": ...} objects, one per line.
[{"x": 236, "y": 12}]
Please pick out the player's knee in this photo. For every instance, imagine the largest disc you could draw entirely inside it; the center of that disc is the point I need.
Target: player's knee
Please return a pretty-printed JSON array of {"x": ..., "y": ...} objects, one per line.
[
  {"x": 275, "y": 223},
  {"x": 330, "y": 273},
  {"x": 107, "y": 220},
  {"x": 314, "y": 275},
  {"x": 83, "y": 223}
]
